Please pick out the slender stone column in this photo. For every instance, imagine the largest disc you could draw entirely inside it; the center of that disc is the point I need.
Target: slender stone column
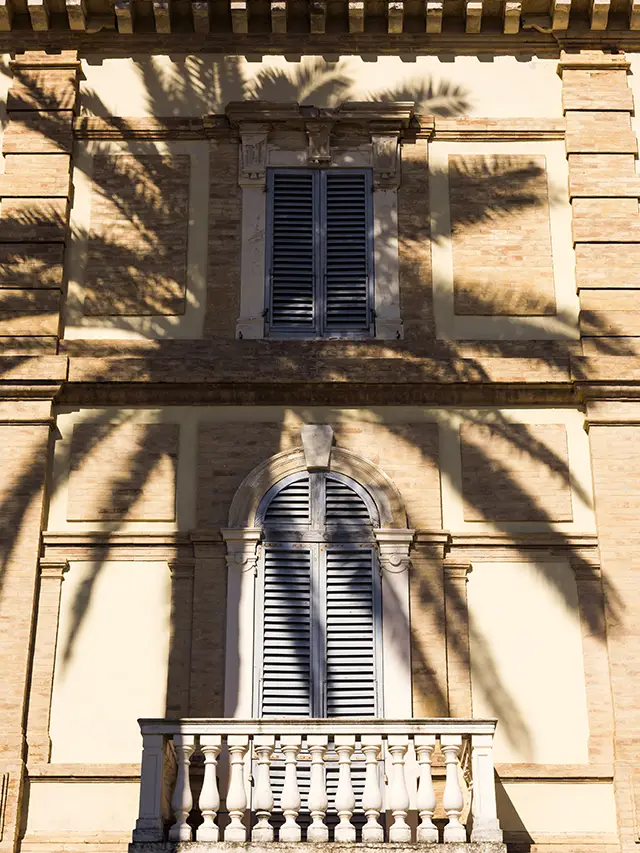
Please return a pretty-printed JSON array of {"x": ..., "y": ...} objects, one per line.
[
  {"x": 594, "y": 649},
  {"x": 428, "y": 629},
  {"x": 457, "y": 622},
  {"x": 44, "y": 656},
  {"x": 179, "y": 675}
]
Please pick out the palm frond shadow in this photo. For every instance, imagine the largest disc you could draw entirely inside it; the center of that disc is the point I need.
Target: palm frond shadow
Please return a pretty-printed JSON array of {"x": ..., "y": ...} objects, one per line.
[{"x": 511, "y": 191}]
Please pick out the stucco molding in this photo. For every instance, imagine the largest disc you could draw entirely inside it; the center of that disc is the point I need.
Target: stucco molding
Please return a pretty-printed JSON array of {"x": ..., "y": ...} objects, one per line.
[{"x": 257, "y": 483}]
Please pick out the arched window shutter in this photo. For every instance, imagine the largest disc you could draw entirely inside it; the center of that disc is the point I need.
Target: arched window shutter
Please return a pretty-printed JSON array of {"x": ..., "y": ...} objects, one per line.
[
  {"x": 320, "y": 601},
  {"x": 350, "y": 634},
  {"x": 286, "y": 684}
]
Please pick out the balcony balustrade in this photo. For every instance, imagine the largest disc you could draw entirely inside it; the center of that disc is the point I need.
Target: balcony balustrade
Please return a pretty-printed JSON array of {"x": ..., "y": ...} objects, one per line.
[{"x": 315, "y": 781}]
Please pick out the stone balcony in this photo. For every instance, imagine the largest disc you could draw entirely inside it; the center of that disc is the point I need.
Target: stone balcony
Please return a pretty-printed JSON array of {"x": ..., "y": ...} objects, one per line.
[{"x": 271, "y": 783}]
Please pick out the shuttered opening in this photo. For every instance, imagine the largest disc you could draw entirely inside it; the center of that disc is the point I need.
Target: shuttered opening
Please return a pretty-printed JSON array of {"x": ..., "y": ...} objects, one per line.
[
  {"x": 320, "y": 252},
  {"x": 320, "y": 636}
]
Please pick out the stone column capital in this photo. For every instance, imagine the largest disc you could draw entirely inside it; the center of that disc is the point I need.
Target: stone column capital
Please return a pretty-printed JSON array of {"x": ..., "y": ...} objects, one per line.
[{"x": 242, "y": 547}]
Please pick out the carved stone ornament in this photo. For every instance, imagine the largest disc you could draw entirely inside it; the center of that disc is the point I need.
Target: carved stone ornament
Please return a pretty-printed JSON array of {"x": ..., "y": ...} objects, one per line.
[
  {"x": 393, "y": 549},
  {"x": 319, "y": 137},
  {"x": 386, "y": 160},
  {"x": 243, "y": 548},
  {"x": 316, "y": 443},
  {"x": 253, "y": 167}
]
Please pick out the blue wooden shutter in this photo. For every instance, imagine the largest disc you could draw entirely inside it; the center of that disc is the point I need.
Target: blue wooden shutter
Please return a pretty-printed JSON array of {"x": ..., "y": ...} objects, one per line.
[
  {"x": 286, "y": 684},
  {"x": 351, "y": 633},
  {"x": 292, "y": 251},
  {"x": 347, "y": 251}
]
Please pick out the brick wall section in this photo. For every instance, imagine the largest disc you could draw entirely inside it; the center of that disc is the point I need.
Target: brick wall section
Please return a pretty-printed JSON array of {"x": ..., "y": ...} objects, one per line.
[
  {"x": 501, "y": 235},
  {"x": 34, "y": 193},
  {"x": 503, "y": 465},
  {"x": 414, "y": 248},
  {"x": 407, "y": 453},
  {"x": 225, "y": 241},
  {"x": 123, "y": 471},
  {"x": 604, "y": 189},
  {"x": 137, "y": 253},
  {"x": 616, "y": 473},
  {"x": 24, "y": 461}
]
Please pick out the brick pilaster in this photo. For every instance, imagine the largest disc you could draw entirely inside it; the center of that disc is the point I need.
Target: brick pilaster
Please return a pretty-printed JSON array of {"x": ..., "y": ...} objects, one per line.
[
  {"x": 25, "y": 434},
  {"x": 428, "y": 628},
  {"x": 35, "y": 191},
  {"x": 604, "y": 189},
  {"x": 614, "y": 434}
]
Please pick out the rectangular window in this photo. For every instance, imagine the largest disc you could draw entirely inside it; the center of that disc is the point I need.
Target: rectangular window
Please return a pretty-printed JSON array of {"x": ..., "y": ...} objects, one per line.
[{"x": 320, "y": 253}]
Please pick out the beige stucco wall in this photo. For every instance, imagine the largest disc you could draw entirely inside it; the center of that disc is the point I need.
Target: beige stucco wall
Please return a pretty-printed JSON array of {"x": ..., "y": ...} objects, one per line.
[
  {"x": 111, "y": 662},
  {"x": 559, "y": 809},
  {"x": 524, "y": 620},
  {"x": 192, "y": 85},
  {"x": 87, "y": 808}
]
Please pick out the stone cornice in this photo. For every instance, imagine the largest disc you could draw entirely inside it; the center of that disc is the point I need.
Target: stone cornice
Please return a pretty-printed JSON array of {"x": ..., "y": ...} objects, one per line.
[
  {"x": 422, "y": 126},
  {"x": 272, "y": 372}
]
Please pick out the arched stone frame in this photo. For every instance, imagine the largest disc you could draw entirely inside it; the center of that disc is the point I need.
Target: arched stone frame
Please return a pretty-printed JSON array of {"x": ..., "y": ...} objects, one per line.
[{"x": 242, "y": 539}]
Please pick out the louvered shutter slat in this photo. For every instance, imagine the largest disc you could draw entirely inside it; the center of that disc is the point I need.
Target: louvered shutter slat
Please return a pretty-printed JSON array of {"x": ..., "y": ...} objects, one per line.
[
  {"x": 343, "y": 505},
  {"x": 292, "y": 251},
  {"x": 350, "y": 633},
  {"x": 347, "y": 248},
  {"x": 286, "y": 643},
  {"x": 290, "y": 505}
]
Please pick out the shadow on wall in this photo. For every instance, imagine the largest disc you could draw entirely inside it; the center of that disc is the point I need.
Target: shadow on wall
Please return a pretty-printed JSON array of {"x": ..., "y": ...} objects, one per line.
[{"x": 509, "y": 192}]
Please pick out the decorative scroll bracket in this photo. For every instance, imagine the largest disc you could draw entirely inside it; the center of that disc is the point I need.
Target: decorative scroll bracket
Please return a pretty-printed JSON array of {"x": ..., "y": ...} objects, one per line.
[
  {"x": 319, "y": 139},
  {"x": 386, "y": 160},
  {"x": 243, "y": 548},
  {"x": 393, "y": 548},
  {"x": 253, "y": 157}
]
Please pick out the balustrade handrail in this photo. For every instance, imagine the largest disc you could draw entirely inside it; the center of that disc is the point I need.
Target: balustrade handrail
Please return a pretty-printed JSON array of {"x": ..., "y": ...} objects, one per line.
[
  {"x": 254, "y": 745},
  {"x": 309, "y": 725}
]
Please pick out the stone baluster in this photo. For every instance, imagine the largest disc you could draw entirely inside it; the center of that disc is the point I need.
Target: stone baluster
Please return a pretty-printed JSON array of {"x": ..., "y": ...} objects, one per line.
[
  {"x": 398, "y": 793},
  {"x": 237, "y": 794},
  {"x": 149, "y": 825},
  {"x": 486, "y": 826},
  {"x": 426, "y": 799},
  {"x": 263, "y": 795},
  {"x": 209, "y": 802},
  {"x": 372, "y": 831},
  {"x": 345, "y": 798},
  {"x": 182, "y": 800},
  {"x": 318, "y": 800},
  {"x": 290, "y": 831},
  {"x": 452, "y": 800}
]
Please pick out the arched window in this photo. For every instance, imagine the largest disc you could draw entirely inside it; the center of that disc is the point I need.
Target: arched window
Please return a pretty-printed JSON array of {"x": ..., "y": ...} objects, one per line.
[{"x": 319, "y": 636}]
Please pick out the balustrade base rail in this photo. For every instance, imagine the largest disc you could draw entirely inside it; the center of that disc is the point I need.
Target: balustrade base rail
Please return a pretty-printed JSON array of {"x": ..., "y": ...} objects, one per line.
[{"x": 329, "y": 847}]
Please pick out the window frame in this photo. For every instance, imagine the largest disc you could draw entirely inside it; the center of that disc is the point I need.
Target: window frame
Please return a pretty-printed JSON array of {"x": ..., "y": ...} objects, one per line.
[{"x": 319, "y": 207}]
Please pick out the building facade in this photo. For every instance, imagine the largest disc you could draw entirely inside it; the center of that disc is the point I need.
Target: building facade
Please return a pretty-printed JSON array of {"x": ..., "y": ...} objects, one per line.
[{"x": 319, "y": 339}]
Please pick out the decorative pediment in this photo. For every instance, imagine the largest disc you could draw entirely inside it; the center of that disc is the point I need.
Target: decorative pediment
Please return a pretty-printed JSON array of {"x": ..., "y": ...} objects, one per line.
[{"x": 378, "y": 124}]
